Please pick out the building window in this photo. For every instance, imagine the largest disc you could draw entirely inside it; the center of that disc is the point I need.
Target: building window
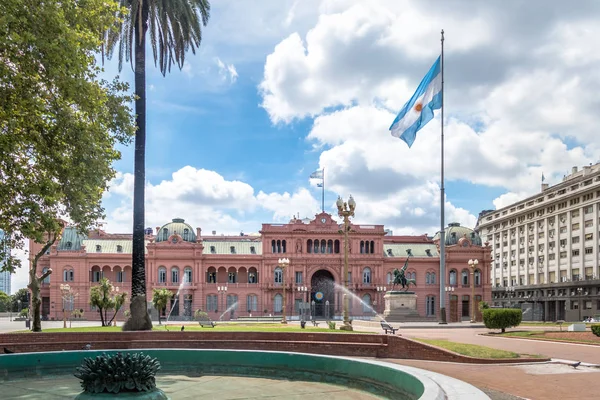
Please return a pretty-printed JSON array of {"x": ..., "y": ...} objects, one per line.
[
  {"x": 187, "y": 275},
  {"x": 165, "y": 234},
  {"x": 211, "y": 302},
  {"x": 252, "y": 250},
  {"x": 427, "y": 278},
  {"x": 68, "y": 275},
  {"x": 575, "y": 226},
  {"x": 453, "y": 277},
  {"x": 232, "y": 277},
  {"x": 298, "y": 278},
  {"x": 120, "y": 276},
  {"x": 477, "y": 277},
  {"x": 589, "y": 250},
  {"x": 186, "y": 234},
  {"x": 349, "y": 277},
  {"x": 589, "y": 223},
  {"x": 252, "y": 277},
  {"x": 575, "y": 253},
  {"x": 588, "y": 210},
  {"x": 96, "y": 276},
  {"x": 432, "y": 278},
  {"x": 232, "y": 302},
  {"x": 366, "y": 304},
  {"x": 589, "y": 236},
  {"x": 430, "y": 306},
  {"x": 252, "y": 302},
  {"x": 465, "y": 277},
  {"x": 98, "y": 248},
  {"x": 174, "y": 275},
  {"x": 68, "y": 245},
  {"x": 213, "y": 250},
  {"x": 278, "y": 303},
  {"x": 212, "y": 277},
  {"x": 575, "y": 239},
  {"x": 119, "y": 248},
  {"x": 367, "y": 275},
  {"x": 309, "y": 246},
  {"x": 465, "y": 306},
  {"x": 388, "y": 278},
  {"x": 278, "y": 275}
]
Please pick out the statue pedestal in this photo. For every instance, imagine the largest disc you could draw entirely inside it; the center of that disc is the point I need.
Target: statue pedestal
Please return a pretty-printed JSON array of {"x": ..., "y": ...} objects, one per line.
[{"x": 401, "y": 307}]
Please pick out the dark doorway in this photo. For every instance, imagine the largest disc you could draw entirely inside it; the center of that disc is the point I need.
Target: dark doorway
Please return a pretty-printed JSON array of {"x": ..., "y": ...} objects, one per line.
[
  {"x": 322, "y": 291},
  {"x": 45, "y": 307}
]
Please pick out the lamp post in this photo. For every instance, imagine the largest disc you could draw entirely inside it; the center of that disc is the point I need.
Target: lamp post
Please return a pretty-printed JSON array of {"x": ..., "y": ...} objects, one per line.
[
  {"x": 303, "y": 305},
  {"x": 283, "y": 264},
  {"x": 473, "y": 265},
  {"x": 381, "y": 289},
  {"x": 222, "y": 290},
  {"x": 579, "y": 290},
  {"x": 346, "y": 210},
  {"x": 449, "y": 290}
]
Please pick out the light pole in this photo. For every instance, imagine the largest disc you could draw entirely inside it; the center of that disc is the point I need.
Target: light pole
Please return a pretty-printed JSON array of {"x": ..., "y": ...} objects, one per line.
[
  {"x": 283, "y": 264},
  {"x": 302, "y": 290},
  {"x": 449, "y": 290},
  {"x": 473, "y": 265},
  {"x": 381, "y": 289},
  {"x": 222, "y": 290},
  {"x": 579, "y": 290},
  {"x": 346, "y": 210},
  {"x": 510, "y": 290}
]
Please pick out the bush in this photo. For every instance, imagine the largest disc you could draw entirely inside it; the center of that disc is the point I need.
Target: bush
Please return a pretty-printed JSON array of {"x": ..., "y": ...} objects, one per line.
[
  {"x": 24, "y": 313},
  {"x": 331, "y": 324},
  {"x": 501, "y": 318},
  {"x": 596, "y": 330},
  {"x": 483, "y": 305}
]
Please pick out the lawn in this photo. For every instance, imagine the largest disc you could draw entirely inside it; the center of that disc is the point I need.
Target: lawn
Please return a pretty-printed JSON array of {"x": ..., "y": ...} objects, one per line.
[
  {"x": 470, "y": 350},
  {"x": 229, "y": 327},
  {"x": 564, "y": 336}
]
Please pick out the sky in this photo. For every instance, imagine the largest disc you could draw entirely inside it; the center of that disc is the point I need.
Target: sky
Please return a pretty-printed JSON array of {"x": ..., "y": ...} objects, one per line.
[{"x": 281, "y": 88}]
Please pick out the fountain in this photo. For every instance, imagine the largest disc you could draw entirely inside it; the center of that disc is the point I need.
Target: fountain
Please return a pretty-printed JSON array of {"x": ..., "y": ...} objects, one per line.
[
  {"x": 361, "y": 301},
  {"x": 183, "y": 282},
  {"x": 220, "y": 374},
  {"x": 230, "y": 308}
]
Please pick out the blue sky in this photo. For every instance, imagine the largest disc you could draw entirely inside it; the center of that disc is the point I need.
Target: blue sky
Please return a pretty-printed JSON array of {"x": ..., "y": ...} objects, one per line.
[{"x": 280, "y": 88}]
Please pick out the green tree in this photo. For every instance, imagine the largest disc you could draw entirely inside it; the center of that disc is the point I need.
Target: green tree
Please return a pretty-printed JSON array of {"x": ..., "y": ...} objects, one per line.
[
  {"x": 59, "y": 123},
  {"x": 160, "y": 299},
  {"x": 21, "y": 295},
  {"x": 5, "y": 302},
  {"x": 105, "y": 297},
  {"x": 175, "y": 27},
  {"x": 502, "y": 318}
]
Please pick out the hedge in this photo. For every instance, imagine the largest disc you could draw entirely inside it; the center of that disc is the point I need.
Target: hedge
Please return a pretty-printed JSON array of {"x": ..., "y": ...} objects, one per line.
[
  {"x": 596, "y": 330},
  {"x": 502, "y": 318}
]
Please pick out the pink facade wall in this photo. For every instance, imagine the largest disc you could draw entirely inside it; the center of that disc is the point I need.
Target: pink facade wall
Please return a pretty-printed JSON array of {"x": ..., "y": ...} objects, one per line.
[{"x": 182, "y": 255}]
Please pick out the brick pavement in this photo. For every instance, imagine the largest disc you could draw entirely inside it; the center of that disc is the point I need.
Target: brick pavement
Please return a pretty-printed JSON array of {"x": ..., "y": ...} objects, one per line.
[{"x": 537, "y": 382}]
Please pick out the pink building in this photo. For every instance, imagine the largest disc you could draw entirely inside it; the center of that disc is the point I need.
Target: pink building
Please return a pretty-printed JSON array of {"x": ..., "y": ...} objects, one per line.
[{"x": 214, "y": 273}]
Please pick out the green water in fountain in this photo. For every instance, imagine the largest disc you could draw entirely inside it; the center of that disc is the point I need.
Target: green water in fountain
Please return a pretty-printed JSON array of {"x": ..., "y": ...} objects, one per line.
[{"x": 218, "y": 374}]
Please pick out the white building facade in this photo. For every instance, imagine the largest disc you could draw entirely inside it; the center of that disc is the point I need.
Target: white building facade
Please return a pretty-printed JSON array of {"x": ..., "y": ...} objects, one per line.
[{"x": 545, "y": 249}]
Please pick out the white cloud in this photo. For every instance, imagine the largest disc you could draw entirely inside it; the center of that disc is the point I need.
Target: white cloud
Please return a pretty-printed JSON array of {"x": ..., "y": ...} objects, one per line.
[
  {"x": 518, "y": 100},
  {"x": 227, "y": 72}
]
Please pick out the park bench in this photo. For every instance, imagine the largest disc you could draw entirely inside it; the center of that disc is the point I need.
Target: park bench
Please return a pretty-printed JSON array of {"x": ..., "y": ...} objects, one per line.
[
  {"x": 387, "y": 327},
  {"x": 314, "y": 322},
  {"x": 207, "y": 323}
]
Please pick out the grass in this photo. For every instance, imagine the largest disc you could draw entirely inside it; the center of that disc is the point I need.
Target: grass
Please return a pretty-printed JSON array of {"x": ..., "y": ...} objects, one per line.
[
  {"x": 540, "y": 335},
  {"x": 470, "y": 350},
  {"x": 229, "y": 327}
]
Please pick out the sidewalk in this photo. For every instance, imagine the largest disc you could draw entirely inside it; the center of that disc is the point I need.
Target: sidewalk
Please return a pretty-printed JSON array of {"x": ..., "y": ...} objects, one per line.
[{"x": 529, "y": 381}]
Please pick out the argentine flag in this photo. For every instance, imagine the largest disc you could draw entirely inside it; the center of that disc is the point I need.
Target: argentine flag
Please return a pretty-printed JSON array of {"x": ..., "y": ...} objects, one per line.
[{"x": 419, "y": 110}]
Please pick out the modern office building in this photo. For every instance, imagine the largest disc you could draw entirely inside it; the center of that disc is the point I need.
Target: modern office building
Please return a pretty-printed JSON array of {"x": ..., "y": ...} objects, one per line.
[
  {"x": 243, "y": 273},
  {"x": 5, "y": 276},
  {"x": 545, "y": 249}
]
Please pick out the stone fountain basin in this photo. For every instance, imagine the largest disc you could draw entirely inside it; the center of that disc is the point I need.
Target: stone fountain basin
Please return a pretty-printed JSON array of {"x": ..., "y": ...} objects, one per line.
[{"x": 379, "y": 378}]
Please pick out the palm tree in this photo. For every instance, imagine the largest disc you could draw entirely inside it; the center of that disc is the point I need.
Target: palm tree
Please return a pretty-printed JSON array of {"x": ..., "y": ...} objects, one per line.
[{"x": 175, "y": 26}]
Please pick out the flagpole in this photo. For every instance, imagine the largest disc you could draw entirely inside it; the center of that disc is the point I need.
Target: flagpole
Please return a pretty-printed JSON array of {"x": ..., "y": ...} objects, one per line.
[
  {"x": 442, "y": 279},
  {"x": 323, "y": 193}
]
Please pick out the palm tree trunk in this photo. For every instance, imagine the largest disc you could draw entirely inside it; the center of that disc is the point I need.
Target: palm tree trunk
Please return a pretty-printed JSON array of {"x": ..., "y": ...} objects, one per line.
[{"x": 139, "y": 319}]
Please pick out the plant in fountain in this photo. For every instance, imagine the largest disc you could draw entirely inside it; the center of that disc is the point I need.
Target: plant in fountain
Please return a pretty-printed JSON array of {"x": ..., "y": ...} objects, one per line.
[
  {"x": 105, "y": 297},
  {"x": 118, "y": 373},
  {"x": 160, "y": 299}
]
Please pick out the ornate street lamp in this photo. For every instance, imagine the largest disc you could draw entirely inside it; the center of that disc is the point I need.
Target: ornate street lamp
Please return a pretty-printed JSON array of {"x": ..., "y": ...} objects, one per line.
[
  {"x": 283, "y": 264},
  {"x": 449, "y": 290},
  {"x": 222, "y": 290},
  {"x": 473, "y": 265},
  {"x": 346, "y": 210},
  {"x": 303, "y": 305}
]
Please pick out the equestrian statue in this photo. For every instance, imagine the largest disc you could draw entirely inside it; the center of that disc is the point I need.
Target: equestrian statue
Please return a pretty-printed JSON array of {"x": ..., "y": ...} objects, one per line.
[{"x": 400, "y": 278}]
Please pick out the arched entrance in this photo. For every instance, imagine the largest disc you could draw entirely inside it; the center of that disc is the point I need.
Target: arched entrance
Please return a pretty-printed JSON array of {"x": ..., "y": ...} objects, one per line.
[{"x": 322, "y": 291}]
